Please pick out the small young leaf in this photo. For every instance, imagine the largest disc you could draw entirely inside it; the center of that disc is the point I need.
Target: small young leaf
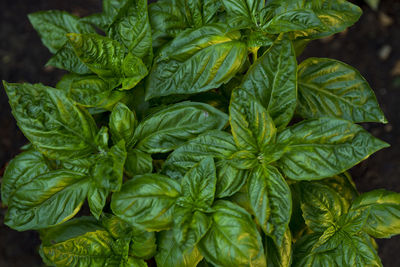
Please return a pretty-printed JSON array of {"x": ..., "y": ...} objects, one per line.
[
  {"x": 217, "y": 144},
  {"x": 198, "y": 184},
  {"x": 172, "y": 126},
  {"x": 252, "y": 127},
  {"x": 138, "y": 162},
  {"x": 89, "y": 91},
  {"x": 97, "y": 198},
  {"x": 147, "y": 192},
  {"x": 122, "y": 123},
  {"x": 189, "y": 227},
  {"x": 52, "y": 123},
  {"x": 324, "y": 147},
  {"x": 326, "y": 89},
  {"x": 270, "y": 199},
  {"x": 272, "y": 81}
]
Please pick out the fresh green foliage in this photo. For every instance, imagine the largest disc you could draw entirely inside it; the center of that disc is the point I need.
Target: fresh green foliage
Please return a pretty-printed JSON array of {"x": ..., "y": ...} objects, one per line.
[{"x": 195, "y": 138}]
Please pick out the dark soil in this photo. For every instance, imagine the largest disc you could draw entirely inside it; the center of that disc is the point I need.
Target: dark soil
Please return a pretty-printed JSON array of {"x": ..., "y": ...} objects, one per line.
[{"x": 22, "y": 57}]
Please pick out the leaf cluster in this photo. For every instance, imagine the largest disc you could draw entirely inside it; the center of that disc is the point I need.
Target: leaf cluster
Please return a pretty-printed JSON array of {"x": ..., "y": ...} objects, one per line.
[{"x": 195, "y": 138}]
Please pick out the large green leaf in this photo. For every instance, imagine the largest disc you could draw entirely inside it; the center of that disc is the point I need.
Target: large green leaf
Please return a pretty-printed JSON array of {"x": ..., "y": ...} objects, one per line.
[
  {"x": 217, "y": 144},
  {"x": 272, "y": 80},
  {"x": 252, "y": 127},
  {"x": 36, "y": 204},
  {"x": 324, "y": 147},
  {"x": 197, "y": 60},
  {"x": 52, "y": 123},
  {"x": 143, "y": 193},
  {"x": 270, "y": 198},
  {"x": 53, "y": 25},
  {"x": 233, "y": 239},
  {"x": 198, "y": 184},
  {"x": 383, "y": 208},
  {"x": 122, "y": 123},
  {"x": 89, "y": 249},
  {"x": 132, "y": 29},
  {"x": 243, "y": 13},
  {"x": 22, "y": 169},
  {"x": 335, "y": 15},
  {"x": 170, "y": 127},
  {"x": 293, "y": 20},
  {"x": 321, "y": 205},
  {"x": 170, "y": 254},
  {"x": 329, "y": 87}
]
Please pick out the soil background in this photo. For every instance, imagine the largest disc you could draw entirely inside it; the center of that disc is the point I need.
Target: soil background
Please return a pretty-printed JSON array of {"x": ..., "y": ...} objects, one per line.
[{"x": 372, "y": 46}]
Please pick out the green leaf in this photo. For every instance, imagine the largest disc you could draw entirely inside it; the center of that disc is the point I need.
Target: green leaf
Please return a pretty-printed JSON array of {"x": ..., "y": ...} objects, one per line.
[
  {"x": 189, "y": 227},
  {"x": 252, "y": 127},
  {"x": 270, "y": 199},
  {"x": 172, "y": 126},
  {"x": 321, "y": 205},
  {"x": 197, "y": 60},
  {"x": 335, "y": 15},
  {"x": 272, "y": 81},
  {"x": 22, "y": 169},
  {"x": 66, "y": 59},
  {"x": 147, "y": 192},
  {"x": 233, "y": 239},
  {"x": 279, "y": 256},
  {"x": 53, "y": 25},
  {"x": 122, "y": 123},
  {"x": 97, "y": 198},
  {"x": 89, "y": 249},
  {"x": 106, "y": 58},
  {"x": 383, "y": 208},
  {"x": 132, "y": 28},
  {"x": 143, "y": 245},
  {"x": 102, "y": 55},
  {"x": 170, "y": 17},
  {"x": 324, "y": 147},
  {"x": 198, "y": 184},
  {"x": 170, "y": 254},
  {"x": 303, "y": 256},
  {"x": 331, "y": 88},
  {"x": 355, "y": 251},
  {"x": 229, "y": 179},
  {"x": 217, "y": 144},
  {"x": 89, "y": 91},
  {"x": 243, "y": 13},
  {"x": 109, "y": 168},
  {"x": 51, "y": 122},
  {"x": 35, "y": 204},
  {"x": 70, "y": 229},
  {"x": 138, "y": 162},
  {"x": 293, "y": 20}
]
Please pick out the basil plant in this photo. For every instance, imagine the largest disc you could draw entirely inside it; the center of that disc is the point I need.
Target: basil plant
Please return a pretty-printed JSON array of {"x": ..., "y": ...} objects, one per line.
[{"x": 195, "y": 138}]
